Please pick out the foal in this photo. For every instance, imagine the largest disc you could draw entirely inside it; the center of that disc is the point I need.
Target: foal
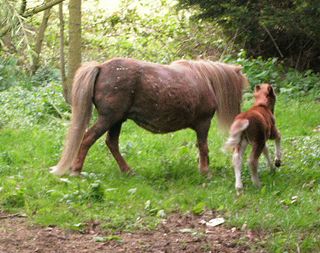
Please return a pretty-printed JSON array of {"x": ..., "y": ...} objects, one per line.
[{"x": 255, "y": 126}]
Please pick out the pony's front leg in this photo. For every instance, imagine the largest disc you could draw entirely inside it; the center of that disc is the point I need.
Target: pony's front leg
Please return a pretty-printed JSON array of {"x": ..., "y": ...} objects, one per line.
[
  {"x": 202, "y": 130},
  {"x": 278, "y": 150},
  {"x": 112, "y": 142},
  {"x": 91, "y": 135}
]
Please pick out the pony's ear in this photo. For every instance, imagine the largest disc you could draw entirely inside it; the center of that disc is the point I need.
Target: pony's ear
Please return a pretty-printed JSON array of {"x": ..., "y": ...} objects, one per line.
[
  {"x": 271, "y": 91},
  {"x": 257, "y": 87}
]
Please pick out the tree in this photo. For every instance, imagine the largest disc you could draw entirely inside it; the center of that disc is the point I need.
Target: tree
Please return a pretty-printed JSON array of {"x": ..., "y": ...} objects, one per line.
[
  {"x": 39, "y": 40},
  {"x": 74, "y": 52},
  {"x": 62, "y": 59},
  {"x": 285, "y": 29}
]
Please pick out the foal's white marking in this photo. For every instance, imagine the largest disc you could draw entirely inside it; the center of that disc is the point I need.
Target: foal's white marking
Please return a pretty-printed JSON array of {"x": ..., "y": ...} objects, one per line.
[
  {"x": 237, "y": 163},
  {"x": 58, "y": 171},
  {"x": 267, "y": 156}
]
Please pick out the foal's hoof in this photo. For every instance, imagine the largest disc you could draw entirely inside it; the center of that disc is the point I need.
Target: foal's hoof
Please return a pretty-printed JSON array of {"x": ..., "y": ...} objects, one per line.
[{"x": 277, "y": 163}]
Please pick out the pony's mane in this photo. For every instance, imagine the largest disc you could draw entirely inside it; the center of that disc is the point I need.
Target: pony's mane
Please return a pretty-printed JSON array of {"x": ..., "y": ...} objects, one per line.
[{"x": 224, "y": 80}]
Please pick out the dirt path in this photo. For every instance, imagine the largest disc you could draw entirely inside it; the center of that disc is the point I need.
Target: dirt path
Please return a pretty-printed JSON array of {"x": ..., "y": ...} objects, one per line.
[{"x": 178, "y": 233}]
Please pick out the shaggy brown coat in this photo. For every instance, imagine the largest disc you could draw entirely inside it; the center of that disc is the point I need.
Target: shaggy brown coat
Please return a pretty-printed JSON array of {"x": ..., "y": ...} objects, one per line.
[{"x": 159, "y": 98}]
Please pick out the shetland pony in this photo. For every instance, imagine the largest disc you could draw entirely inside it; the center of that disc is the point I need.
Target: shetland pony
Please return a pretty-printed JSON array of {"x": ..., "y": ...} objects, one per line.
[
  {"x": 255, "y": 126},
  {"x": 159, "y": 98}
]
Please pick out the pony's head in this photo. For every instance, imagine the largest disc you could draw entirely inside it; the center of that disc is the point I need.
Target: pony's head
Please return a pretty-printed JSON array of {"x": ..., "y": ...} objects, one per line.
[{"x": 265, "y": 95}]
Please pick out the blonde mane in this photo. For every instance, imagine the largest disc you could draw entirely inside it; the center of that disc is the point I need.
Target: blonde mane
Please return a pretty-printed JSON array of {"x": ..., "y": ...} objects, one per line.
[{"x": 225, "y": 80}]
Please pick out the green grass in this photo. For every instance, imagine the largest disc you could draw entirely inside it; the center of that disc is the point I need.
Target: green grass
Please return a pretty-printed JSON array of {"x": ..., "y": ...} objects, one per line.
[{"x": 286, "y": 208}]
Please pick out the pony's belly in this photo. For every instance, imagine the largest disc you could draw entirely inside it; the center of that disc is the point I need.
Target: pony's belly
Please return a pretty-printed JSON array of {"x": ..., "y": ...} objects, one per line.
[{"x": 160, "y": 124}]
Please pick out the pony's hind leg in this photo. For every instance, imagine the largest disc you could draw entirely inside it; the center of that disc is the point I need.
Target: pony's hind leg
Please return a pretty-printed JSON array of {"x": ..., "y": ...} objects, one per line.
[
  {"x": 202, "y": 130},
  {"x": 112, "y": 142},
  {"x": 91, "y": 135},
  {"x": 237, "y": 163},
  {"x": 254, "y": 162},
  {"x": 267, "y": 156}
]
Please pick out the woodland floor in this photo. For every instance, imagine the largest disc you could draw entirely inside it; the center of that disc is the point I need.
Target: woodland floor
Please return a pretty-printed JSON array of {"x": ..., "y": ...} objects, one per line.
[{"x": 178, "y": 233}]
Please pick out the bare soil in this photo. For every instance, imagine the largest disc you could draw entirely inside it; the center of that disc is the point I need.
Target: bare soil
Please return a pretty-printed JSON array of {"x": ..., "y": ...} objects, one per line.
[{"x": 177, "y": 233}]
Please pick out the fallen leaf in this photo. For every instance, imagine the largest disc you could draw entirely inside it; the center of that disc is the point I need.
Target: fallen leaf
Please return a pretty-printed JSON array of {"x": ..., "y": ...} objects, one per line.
[{"x": 215, "y": 222}]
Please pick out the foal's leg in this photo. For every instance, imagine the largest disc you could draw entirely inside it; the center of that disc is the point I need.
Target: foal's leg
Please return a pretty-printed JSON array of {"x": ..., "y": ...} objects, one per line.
[
  {"x": 202, "y": 130},
  {"x": 267, "y": 156},
  {"x": 237, "y": 163},
  {"x": 98, "y": 129},
  {"x": 278, "y": 149},
  {"x": 112, "y": 142},
  {"x": 254, "y": 162}
]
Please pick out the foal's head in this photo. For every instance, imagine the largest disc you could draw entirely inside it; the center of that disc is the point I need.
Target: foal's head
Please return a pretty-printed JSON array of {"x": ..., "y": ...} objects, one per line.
[{"x": 264, "y": 95}]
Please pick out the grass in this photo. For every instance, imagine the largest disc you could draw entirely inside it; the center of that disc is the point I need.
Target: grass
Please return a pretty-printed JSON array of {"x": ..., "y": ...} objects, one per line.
[{"x": 286, "y": 208}]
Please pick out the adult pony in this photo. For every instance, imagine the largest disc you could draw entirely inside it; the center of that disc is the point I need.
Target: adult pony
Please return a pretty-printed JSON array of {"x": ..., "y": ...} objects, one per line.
[{"x": 159, "y": 98}]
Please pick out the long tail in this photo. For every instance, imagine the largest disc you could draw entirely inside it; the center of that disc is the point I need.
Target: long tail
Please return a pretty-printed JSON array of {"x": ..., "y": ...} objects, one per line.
[
  {"x": 228, "y": 88},
  {"x": 82, "y": 94},
  {"x": 236, "y": 130}
]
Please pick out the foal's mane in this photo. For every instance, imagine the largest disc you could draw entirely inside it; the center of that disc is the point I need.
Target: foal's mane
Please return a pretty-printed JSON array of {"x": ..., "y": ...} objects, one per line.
[{"x": 226, "y": 80}]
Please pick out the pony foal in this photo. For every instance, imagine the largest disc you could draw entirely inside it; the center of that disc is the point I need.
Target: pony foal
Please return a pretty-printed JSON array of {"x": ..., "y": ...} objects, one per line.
[{"x": 255, "y": 126}]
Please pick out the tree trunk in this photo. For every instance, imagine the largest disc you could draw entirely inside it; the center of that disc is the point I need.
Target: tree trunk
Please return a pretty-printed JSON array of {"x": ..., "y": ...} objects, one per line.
[
  {"x": 62, "y": 60},
  {"x": 74, "y": 52},
  {"x": 39, "y": 40}
]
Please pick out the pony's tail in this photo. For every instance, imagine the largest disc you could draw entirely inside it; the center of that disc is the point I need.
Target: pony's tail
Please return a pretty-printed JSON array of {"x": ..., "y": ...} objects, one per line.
[
  {"x": 82, "y": 94},
  {"x": 236, "y": 130},
  {"x": 228, "y": 88}
]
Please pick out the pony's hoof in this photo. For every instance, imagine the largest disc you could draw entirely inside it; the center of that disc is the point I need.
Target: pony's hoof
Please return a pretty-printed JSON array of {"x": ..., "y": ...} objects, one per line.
[
  {"x": 75, "y": 173},
  {"x": 55, "y": 170},
  {"x": 239, "y": 191},
  {"x": 209, "y": 175},
  {"x": 277, "y": 163},
  {"x": 129, "y": 172},
  {"x": 206, "y": 173}
]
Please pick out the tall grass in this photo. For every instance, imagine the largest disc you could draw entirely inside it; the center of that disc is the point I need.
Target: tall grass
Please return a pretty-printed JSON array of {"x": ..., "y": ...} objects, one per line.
[{"x": 286, "y": 208}]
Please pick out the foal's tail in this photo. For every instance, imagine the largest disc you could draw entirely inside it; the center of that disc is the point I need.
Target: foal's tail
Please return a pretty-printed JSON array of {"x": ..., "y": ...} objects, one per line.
[
  {"x": 82, "y": 94},
  {"x": 228, "y": 86},
  {"x": 236, "y": 130}
]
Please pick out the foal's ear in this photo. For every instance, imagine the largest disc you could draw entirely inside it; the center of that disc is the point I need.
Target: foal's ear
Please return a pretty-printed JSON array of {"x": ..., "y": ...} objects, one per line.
[
  {"x": 271, "y": 91},
  {"x": 257, "y": 87}
]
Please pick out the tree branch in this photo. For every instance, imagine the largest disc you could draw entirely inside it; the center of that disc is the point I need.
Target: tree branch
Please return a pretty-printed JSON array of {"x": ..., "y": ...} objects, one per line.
[
  {"x": 23, "y": 7},
  {"x": 272, "y": 39},
  {"x": 39, "y": 8}
]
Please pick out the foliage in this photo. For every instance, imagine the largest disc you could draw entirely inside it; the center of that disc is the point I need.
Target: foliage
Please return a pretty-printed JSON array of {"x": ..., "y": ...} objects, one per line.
[
  {"x": 287, "y": 29},
  {"x": 148, "y": 30},
  {"x": 22, "y": 107},
  {"x": 10, "y": 73},
  {"x": 286, "y": 80},
  {"x": 14, "y": 33}
]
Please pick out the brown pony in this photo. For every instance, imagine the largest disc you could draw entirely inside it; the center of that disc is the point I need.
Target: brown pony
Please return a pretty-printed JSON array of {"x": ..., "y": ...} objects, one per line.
[
  {"x": 255, "y": 126},
  {"x": 159, "y": 98}
]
